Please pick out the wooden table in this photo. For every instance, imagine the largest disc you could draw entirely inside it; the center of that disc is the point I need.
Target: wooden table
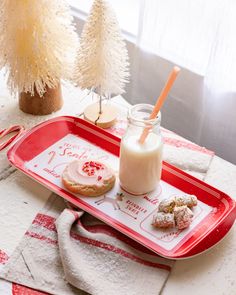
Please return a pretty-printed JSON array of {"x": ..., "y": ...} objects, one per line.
[{"x": 213, "y": 272}]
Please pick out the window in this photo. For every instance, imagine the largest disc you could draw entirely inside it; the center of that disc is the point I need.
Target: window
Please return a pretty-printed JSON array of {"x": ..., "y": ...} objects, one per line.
[
  {"x": 127, "y": 12},
  {"x": 183, "y": 32},
  {"x": 190, "y": 33}
]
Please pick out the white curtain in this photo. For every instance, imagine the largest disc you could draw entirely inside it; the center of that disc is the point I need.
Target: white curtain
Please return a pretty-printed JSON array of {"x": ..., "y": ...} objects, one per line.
[{"x": 200, "y": 37}]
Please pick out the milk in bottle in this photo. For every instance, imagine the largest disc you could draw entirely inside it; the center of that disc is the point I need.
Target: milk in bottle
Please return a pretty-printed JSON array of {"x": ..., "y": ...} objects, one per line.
[{"x": 140, "y": 163}]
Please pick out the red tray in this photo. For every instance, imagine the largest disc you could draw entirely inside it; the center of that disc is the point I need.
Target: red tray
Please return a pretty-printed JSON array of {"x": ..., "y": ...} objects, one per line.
[{"x": 43, "y": 152}]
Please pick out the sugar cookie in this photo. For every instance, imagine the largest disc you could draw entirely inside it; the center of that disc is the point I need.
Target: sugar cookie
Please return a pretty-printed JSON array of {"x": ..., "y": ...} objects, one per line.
[{"x": 88, "y": 177}]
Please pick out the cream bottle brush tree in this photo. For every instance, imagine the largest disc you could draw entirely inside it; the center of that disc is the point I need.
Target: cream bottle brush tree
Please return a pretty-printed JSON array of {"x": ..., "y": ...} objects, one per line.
[
  {"x": 37, "y": 42},
  {"x": 102, "y": 61}
]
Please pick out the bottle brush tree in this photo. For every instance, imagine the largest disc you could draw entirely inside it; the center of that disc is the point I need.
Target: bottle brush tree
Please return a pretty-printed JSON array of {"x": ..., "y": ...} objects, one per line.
[
  {"x": 38, "y": 41},
  {"x": 102, "y": 61}
]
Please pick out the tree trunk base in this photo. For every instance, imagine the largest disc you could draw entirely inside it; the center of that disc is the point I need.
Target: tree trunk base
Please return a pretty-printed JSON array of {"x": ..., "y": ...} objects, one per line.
[
  {"x": 50, "y": 102},
  {"x": 104, "y": 120}
]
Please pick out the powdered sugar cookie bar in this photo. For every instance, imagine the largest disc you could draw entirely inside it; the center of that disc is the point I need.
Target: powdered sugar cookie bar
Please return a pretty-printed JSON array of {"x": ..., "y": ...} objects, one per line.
[
  {"x": 183, "y": 216},
  {"x": 163, "y": 220},
  {"x": 185, "y": 200},
  {"x": 167, "y": 205}
]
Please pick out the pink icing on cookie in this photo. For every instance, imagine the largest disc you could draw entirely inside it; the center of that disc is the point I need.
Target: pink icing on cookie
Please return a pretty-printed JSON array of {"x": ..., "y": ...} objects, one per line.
[{"x": 87, "y": 172}]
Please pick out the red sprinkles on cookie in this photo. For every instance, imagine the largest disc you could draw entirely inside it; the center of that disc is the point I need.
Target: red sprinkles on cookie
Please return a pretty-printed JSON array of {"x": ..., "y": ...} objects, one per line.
[{"x": 90, "y": 167}]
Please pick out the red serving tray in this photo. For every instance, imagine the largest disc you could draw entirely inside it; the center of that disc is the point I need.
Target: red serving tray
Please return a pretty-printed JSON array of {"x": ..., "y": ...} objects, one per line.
[{"x": 65, "y": 138}]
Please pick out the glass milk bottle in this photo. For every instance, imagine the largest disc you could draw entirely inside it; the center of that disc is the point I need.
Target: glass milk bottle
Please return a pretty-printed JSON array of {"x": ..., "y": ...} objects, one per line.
[{"x": 141, "y": 163}]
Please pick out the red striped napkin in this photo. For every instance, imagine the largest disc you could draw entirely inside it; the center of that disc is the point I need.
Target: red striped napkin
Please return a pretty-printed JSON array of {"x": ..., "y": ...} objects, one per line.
[{"x": 62, "y": 250}]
